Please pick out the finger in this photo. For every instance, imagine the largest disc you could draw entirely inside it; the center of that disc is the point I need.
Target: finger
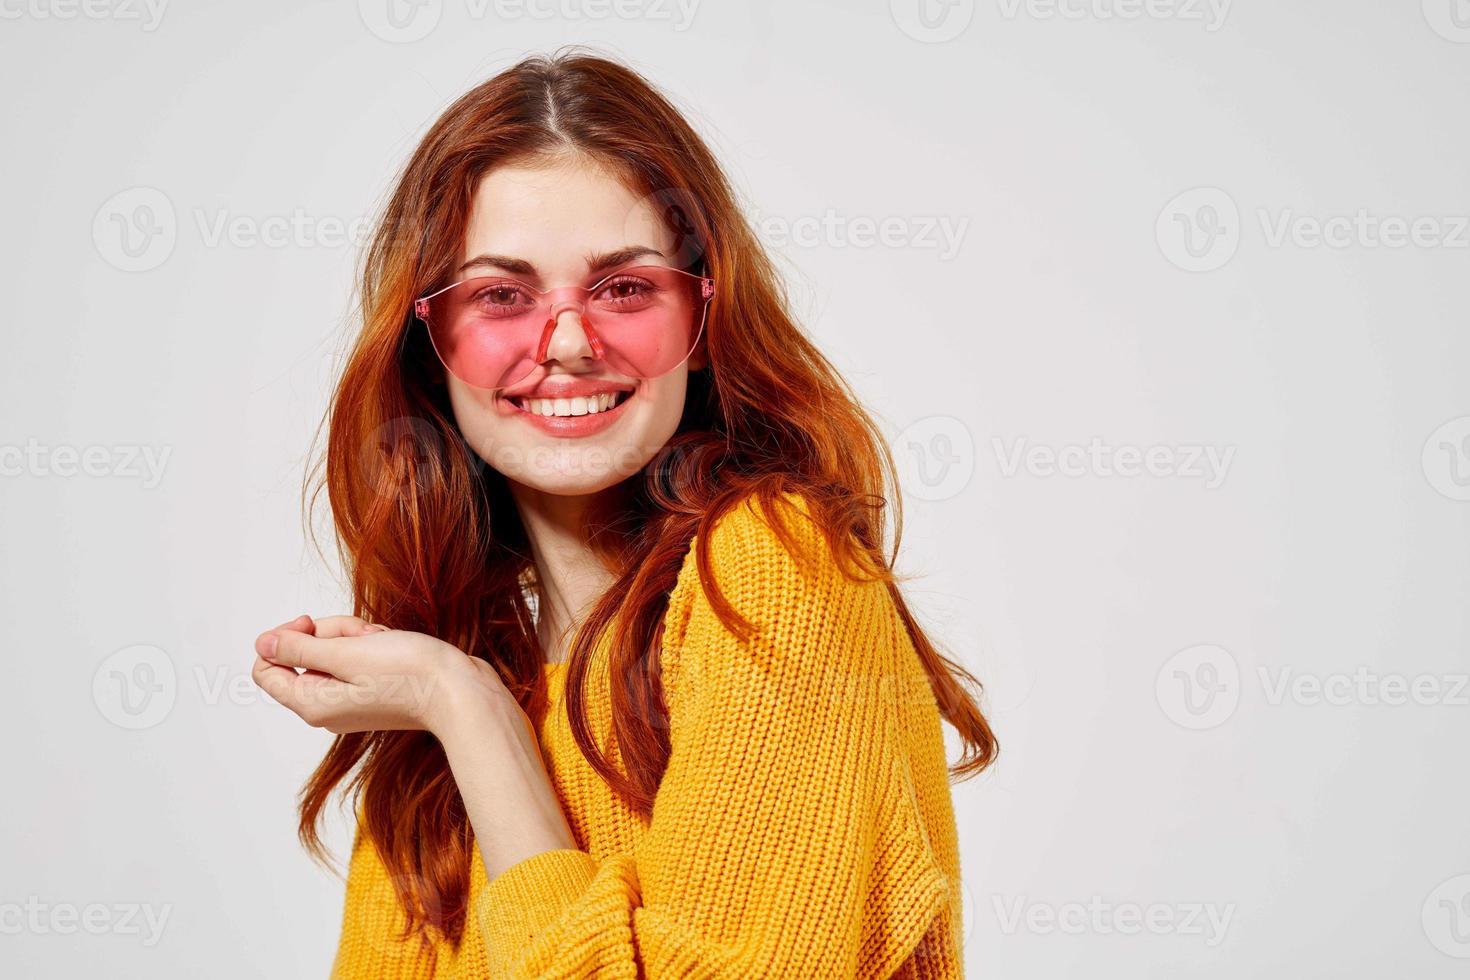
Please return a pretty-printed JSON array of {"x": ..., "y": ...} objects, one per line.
[
  {"x": 314, "y": 698},
  {"x": 328, "y": 627},
  {"x": 308, "y": 673},
  {"x": 302, "y": 623},
  {"x": 291, "y": 649},
  {"x": 273, "y": 679}
]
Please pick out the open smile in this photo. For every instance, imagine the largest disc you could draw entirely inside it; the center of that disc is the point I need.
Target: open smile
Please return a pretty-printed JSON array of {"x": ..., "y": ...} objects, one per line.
[
  {"x": 571, "y": 417},
  {"x": 565, "y": 407}
]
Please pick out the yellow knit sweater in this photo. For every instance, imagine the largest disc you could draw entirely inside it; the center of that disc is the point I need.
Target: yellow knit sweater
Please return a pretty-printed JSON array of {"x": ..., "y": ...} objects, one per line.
[{"x": 803, "y": 828}]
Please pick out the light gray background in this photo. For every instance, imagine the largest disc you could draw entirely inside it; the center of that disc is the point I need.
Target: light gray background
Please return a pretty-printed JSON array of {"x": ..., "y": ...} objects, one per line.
[{"x": 1231, "y": 695}]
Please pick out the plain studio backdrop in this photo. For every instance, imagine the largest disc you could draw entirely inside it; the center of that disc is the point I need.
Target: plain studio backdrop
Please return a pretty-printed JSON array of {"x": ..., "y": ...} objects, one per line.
[{"x": 1162, "y": 304}]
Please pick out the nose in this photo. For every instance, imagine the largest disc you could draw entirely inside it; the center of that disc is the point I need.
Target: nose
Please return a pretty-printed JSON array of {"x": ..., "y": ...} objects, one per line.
[{"x": 570, "y": 339}]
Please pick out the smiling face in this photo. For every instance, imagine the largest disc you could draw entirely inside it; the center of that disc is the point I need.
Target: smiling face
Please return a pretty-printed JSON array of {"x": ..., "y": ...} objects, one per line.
[{"x": 574, "y": 425}]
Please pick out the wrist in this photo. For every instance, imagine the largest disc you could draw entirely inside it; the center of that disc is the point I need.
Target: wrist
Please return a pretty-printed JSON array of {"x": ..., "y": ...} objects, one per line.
[{"x": 464, "y": 708}]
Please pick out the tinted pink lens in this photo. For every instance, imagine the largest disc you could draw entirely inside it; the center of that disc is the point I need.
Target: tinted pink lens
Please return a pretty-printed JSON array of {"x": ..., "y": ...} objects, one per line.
[
  {"x": 488, "y": 330},
  {"x": 648, "y": 319}
]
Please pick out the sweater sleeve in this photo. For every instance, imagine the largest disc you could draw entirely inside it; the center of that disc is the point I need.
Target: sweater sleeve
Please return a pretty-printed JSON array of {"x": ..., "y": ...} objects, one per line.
[
  {"x": 784, "y": 839},
  {"x": 371, "y": 942}
]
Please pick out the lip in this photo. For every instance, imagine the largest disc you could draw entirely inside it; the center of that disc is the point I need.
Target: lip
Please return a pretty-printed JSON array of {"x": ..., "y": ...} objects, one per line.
[
  {"x": 569, "y": 426},
  {"x": 564, "y": 387}
]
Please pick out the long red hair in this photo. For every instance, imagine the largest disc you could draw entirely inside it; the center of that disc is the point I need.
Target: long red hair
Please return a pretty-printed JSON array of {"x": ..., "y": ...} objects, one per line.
[{"x": 429, "y": 535}]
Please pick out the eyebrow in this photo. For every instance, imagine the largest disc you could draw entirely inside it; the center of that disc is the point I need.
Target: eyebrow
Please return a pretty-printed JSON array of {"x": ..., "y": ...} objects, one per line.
[{"x": 595, "y": 263}]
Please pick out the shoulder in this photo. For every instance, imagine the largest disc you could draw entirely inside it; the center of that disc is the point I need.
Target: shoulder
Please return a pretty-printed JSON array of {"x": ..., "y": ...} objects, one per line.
[
  {"x": 768, "y": 573},
  {"x": 767, "y": 548},
  {"x": 761, "y": 536},
  {"x": 789, "y": 532}
]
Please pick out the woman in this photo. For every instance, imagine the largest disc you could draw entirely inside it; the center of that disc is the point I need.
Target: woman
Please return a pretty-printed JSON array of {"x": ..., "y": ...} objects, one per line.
[{"x": 631, "y": 690}]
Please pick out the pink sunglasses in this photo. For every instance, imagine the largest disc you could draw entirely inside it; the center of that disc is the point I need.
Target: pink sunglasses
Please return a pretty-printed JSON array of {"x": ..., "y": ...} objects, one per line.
[{"x": 493, "y": 331}]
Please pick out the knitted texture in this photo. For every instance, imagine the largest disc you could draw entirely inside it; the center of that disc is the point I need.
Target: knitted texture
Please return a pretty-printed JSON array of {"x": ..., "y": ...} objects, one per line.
[{"x": 804, "y": 826}]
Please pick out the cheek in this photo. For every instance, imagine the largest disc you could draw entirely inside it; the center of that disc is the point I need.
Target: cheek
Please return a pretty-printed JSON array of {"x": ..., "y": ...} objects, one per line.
[
  {"x": 472, "y": 406},
  {"x": 663, "y": 403},
  {"x": 476, "y": 414}
]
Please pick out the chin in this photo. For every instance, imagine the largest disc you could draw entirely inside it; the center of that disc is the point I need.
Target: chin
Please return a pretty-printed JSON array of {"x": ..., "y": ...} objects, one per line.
[
  {"x": 569, "y": 485},
  {"x": 568, "y": 467}
]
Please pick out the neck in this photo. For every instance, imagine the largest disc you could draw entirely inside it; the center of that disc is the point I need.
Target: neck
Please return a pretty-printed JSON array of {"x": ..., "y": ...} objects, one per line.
[{"x": 572, "y": 575}]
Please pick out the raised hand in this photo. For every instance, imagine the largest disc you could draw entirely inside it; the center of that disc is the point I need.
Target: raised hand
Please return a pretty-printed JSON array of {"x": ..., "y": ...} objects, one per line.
[{"x": 346, "y": 675}]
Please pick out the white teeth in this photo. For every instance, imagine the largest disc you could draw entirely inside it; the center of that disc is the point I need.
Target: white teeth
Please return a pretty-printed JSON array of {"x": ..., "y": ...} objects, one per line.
[{"x": 581, "y": 405}]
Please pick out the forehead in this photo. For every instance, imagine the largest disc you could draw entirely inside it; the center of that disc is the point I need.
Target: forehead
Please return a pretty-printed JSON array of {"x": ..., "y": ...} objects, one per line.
[{"x": 555, "y": 215}]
